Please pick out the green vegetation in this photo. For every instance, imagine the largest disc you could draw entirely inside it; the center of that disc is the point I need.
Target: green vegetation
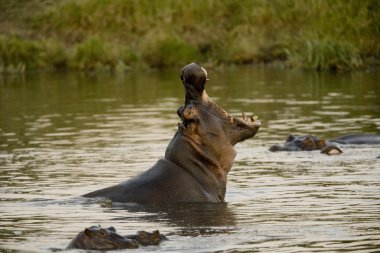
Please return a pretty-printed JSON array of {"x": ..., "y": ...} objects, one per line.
[{"x": 119, "y": 34}]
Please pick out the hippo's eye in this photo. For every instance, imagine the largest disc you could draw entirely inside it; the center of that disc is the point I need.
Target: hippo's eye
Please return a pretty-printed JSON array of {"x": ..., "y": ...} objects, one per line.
[
  {"x": 142, "y": 235},
  {"x": 112, "y": 229},
  {"x": 191, "y": 127},
  {"x": 320, "y": 143},
  {"x": 102, "y": 233},
  {"x": 308, "y": 142}
]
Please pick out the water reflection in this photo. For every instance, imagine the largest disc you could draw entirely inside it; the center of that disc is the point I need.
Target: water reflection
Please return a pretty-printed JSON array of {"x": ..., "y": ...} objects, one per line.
[{"x": 192, "y": 219}]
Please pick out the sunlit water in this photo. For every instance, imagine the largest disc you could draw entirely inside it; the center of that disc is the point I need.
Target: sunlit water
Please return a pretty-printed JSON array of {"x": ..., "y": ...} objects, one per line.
[{"x": 63, "y": 135}]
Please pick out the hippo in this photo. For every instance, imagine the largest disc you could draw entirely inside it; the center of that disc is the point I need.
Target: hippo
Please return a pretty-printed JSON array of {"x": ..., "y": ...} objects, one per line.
[
  {"x": 97, "y": 238},
  {"x": 197, "y": 159},
  {"x": 358, "y": 139},
  {"x": 146, "y": 238},
  {"x": 329, "y": 147}
]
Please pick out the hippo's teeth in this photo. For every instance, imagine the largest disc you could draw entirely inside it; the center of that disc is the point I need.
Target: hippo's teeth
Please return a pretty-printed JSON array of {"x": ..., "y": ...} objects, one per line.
[
  {"x": 205, "y": 73},
  {"x": 250, "y": 118},
  {"x": 245, "y": 118}
]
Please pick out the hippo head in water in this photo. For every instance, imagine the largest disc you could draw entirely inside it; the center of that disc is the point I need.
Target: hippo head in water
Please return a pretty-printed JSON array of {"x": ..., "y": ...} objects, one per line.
[
  {"x": 198, "y": 157},
  {"x": 307, "y": 143},
  {"x": 148, "y": 238},
  {"x": 97, "y": 238}
]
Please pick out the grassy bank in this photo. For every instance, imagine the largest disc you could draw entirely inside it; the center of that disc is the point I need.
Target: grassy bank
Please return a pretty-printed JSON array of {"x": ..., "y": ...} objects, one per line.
[{"x": 119, "y": 34}]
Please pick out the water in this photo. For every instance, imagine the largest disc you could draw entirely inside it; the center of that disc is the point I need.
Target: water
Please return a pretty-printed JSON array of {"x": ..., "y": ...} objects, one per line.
[{"x": 65, "y": 134}]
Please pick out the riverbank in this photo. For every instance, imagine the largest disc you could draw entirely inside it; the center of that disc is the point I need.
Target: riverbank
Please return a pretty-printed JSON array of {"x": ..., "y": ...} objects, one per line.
[{"x": 122, "y": 34}]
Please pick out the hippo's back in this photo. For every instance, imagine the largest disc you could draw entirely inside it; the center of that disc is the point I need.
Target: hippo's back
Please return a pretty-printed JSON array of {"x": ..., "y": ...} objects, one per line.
[
  {"x": 358, "y": 139},
  {"x": 161, "y": 184}
]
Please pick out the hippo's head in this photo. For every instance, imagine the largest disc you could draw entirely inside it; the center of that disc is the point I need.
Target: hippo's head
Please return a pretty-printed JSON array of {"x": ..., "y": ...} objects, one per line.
[
  {"x": 299, "y": 143},
  {"x": 202, "y": 119},
  {"x": 206, "y": 133},
  {"x": 306, "y": 143},
  {"x": 147, "y": 238},
  {"x": 97, "y": 238}
]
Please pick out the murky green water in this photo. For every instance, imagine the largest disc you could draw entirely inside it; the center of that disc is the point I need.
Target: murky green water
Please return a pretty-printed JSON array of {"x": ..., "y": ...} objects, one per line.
[{"x": 63, "y": 135}]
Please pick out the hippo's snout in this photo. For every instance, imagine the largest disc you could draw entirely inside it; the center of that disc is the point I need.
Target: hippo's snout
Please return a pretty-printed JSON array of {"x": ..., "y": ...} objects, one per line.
[{"x": 250, "y": 122}]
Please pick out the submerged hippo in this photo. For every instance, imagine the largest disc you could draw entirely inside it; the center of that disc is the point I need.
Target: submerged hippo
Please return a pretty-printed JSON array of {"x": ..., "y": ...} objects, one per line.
[
  {"x": 198, "y": 157},
  {"x": 146, "y": 238},
  {"x": 358, "y": 139},
  {"x": 97, "y": 238},
  {"x": 329, "y": 147}
]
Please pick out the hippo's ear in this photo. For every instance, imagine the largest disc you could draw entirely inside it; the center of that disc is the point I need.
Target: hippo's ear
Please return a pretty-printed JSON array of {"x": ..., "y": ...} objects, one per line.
[
  {"x": 156, "y": 233},
  {"x": 156, "y": 237},
  {"x": 290, "y": 138},
  {"x": 88, "y": 232}
]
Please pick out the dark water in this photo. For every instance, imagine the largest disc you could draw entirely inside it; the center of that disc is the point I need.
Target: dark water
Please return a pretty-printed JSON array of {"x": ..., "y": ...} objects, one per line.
[{"x": 62, "y": 135}]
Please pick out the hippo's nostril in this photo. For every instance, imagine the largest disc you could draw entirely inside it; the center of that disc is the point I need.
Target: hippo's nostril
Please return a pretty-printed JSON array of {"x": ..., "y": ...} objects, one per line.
[{"x": 245, "y": 118}]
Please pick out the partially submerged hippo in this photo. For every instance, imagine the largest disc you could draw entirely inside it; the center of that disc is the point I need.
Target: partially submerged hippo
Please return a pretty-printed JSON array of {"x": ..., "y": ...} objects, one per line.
[
  {"x": 358, "y": 139},
  {"x": 97, "y": 238},
  {"x": 329, "y": 147},
  {"x": 148, "y": 238},
  {"x": 198, "y": 157}
]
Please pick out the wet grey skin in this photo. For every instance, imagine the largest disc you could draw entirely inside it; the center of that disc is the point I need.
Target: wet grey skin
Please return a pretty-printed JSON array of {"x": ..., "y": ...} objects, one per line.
[
  {"x": 97, "y": 238},
  {"x": 358, "y": 139},
  {"x": 198, "y": 157},
  {"x": 329, "y": 147}
]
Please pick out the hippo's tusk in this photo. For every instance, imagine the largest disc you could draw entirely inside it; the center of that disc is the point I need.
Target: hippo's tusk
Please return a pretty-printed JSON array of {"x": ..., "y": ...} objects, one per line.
[{"x": 205, "y": 73}]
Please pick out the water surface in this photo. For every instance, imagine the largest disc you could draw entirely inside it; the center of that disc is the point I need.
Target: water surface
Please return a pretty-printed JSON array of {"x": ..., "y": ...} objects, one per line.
[{"x": 65, "y": 134}]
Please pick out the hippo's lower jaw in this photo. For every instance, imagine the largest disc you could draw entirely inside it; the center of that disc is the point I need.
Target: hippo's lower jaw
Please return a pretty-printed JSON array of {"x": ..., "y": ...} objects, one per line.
[{"x": 247, "y": 127}]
